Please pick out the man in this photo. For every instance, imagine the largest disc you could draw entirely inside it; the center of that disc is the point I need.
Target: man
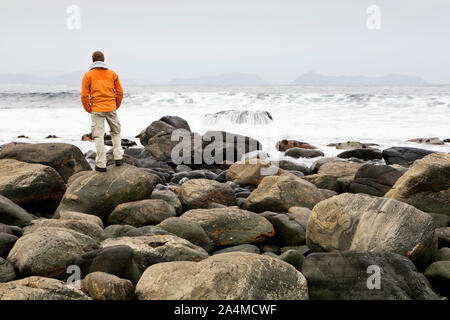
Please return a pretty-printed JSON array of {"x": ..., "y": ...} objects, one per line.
[{"x": 101, "y": 95}]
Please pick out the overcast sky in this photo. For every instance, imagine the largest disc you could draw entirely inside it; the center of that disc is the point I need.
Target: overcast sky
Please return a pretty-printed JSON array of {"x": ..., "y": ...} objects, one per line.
[{"x": 157, "y": 40}]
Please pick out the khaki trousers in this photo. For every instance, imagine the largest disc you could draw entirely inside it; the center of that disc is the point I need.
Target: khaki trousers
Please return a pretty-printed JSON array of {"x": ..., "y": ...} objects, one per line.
[{"x": 98, "y": 132}]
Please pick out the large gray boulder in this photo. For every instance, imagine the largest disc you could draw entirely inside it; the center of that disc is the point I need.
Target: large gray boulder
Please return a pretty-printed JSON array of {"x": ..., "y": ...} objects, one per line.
[
  {"x": 46, "y": 251},
  {"x": 426, "y": 185},
  {"x": 359, "y": 222},
  {"x": 363, "y": 154},
  {"x": 148, "y": 250},
  {"x": 104, "y": 286},
  {"x": 352, "y": 276},
  {"x": 65, "y": 158},
  {"x": 279, "y": 193},
  {"x": 12, "y": 214},
  {"x": 98, "y": 193},
  {"x": 39, "y": 288},
  {"x": 375, "y": 180},
  {"x": 34, "y": 187},
  {"x": 404, "y": 156},
  {"x": 251, "y": 172},
  {"x": 141, "y": 213},
  {"x": 87, "y": 228},
  {"x": 303, "y": 153},
  {"x": 226, "y": 276},
  {"x": 163, "y": 193},
  {"x": 288, "y": 231},
  {"x": 166, "y": 123},
  {"x": 79, "y": 216},
  {"x": 438, "y": 273},
  {"x": 160, "y": 146},
  {"x": 7, "y": 272},
  {"x": 189, "y": 230},
  {"x": 116, "y": 260},
  {"x": 200, "y": 193},
  {"x": 231, "y": 226}
]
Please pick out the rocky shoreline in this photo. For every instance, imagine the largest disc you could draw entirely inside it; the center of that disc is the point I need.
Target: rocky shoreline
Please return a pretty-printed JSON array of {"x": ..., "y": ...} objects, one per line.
[{"x": 367, "y": 224}]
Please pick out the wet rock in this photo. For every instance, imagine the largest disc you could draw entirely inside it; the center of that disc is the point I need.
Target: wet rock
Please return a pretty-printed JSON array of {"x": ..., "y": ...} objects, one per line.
[
  {"x": 72, "y": 215},
  {"x": 146, "y": 231},
  {"x": 163, "y": 193},
  {"x": 6, "y": 243},
  {"x": 105, "y": 286},
  {"x": 7, "y": 272},
  {"x": 228, "y": 276},
  {"x": 346, "y": 276},
  {"x": 225, "y": 146},
  {"x": 442, "y": 254},
  {"x": 251, "y": 172},
  {"x": 375, "y": 180},
  {"x": 426, "y": 185},
  {"x": 300, "y": 214},
  {"x": 142, "y": 212},
  {"x": 39, "y": 288},
  {"x": 438, "y": 273},
  {"x": 329, "y": 182},
  {"x": 199, "y": 193},
  {"x": 160, "y": 146},
  {"x": 293, "y": 257},
  {"x": 87, "y": 228},
  {"x": 303, "y": 153},
  {"x": 440, "y": 220},
  {"x": 65, "y": 158},
  {"x": 148, "y": 250},
  {"x": 340, "y": 169},
  {"x": 288, "y": 232},
  {"x": 443, "y": 236},
  {"x": 404, "y": 155},
  {"x": 46, "y": 251},
  {"x": 189, "y": 230},
  {"x": 289, "y": 165},
  {"x": 98, "y": 193},
  {"x": 359, "y": 222},
  {"x": 231, "y": 226},
  {"x": 193, "y": 174},
  {"x": 117, "y": 260},
  {"x": 363, "y": 154},
  {"x": 318, "y": 163},
  {"x": 34, "y": 187},
  {"x": 165, "y": 124},
  {"x": 12, "y": 214},
  {"x": 351, "y": 145},
  {"x": 279, "y": 193},
  {"x": 284, "y": 145},
  {"x": 117, "y": 230}
]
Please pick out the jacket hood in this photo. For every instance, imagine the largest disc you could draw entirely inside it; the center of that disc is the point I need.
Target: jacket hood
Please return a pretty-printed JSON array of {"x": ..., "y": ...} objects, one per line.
[{"x": 98, "y": 64}]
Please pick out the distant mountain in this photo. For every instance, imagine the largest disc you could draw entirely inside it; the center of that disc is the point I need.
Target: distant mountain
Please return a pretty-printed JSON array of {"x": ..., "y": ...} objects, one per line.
[
  {"x": 73, "y": 78},
  {"x": 226, "y": 79},
  {"x": 312, "y": 78}
]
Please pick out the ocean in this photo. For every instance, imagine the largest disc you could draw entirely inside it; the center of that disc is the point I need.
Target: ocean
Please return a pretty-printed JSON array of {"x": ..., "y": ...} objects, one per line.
[{"x": 319, "y": 115}]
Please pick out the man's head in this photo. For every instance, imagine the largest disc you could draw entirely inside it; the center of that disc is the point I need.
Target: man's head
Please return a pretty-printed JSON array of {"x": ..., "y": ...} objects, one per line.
[{"x": 98, "y": 56}]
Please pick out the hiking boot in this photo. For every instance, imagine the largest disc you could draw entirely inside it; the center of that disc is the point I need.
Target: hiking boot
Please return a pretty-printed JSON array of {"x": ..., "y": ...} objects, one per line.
[
  {"x": 119, "y": 162},
  {"x": 100, "y": 169}
]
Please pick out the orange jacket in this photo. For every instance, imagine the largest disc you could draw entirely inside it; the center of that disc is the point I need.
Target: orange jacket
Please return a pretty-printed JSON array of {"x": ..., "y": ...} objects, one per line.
[{"x": 101, "y": 90}]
